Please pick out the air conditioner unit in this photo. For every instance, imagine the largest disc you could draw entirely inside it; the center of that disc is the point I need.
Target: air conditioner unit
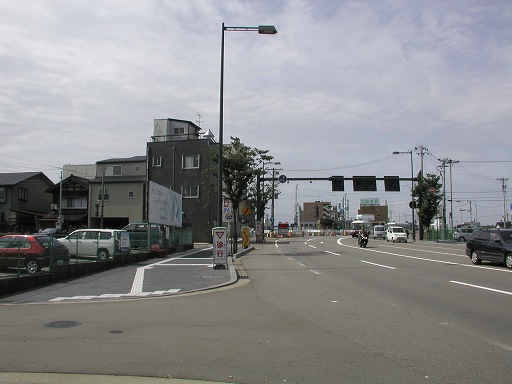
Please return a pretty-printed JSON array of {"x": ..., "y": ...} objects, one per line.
[{"x": 54, "y": 207}]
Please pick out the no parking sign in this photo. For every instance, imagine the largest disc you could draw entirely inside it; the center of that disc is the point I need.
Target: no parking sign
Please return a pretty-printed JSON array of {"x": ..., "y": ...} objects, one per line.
[{"x": 220, "y": 247}]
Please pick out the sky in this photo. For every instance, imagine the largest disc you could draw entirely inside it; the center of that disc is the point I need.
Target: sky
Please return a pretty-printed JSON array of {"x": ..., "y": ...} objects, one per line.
[{"x": 339, "y": 88}]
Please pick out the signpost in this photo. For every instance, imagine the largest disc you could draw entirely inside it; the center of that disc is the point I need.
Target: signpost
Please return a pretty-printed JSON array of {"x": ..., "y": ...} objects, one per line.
[{"x": 220, "y": 247}]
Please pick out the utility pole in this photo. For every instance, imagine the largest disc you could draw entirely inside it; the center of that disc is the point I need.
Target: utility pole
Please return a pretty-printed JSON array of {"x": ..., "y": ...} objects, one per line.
[
  {"x": 450, "y": 162},
  {"x": 504, "y": 189},
  {"x": 421, "y": 150}
]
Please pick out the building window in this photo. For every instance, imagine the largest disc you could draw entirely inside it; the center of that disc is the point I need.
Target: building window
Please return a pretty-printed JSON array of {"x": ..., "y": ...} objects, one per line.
[
  {"x": 106, "y": 195},
  {"x": 179, "y": 131},
  {"x": 117, "y": 170},
  {"x": 74, "y": 202},
  {"x": 190, "y": 162},
  {"x": 191, "y": 192},
  {"x": 2, "y": 195},
  {"x": 137, "y": 168},
  {"x": 131, "y": 194},
  {"x": 22, "y": 194},
  {"x": 157, "y": 161}
]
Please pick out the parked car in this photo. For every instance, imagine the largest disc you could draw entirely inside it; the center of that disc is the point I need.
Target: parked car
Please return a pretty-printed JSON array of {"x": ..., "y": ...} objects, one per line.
[
  {"x": 490, "y": 245},
  {"x": 462, "y": 234},
  {"x": 139, "y": 234},
  {"x": 55, "y": 232},
  {"x": 379, "y": 231},
  {"x": 100, "y": 243},
  {"x": 396, "y": 234},
  {"x": 31, "y": 252}
]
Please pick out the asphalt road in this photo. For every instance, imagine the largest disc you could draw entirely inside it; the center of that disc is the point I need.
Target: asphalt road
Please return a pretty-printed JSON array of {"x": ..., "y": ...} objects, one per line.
[{"x": 314, "y": 310}]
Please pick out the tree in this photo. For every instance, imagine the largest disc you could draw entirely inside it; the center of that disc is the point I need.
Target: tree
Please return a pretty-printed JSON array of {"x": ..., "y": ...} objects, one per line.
[
  {"x": 427, "y": 194},
  {"x": 241, "y": 166}
]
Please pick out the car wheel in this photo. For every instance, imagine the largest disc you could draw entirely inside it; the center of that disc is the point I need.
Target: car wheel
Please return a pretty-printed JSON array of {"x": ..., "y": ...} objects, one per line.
[
  {"x": 474, "y": 257},
  {"x": 103, "y": 254},
  {"x": 463, "y": 239},
  {"x": 508, "y": 260},
  {"x": 32, "y": 266}
]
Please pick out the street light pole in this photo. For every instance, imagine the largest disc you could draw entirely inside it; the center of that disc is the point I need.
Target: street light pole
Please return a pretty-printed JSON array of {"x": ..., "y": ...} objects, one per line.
[
  {"x": 412, "y": 196},
  {"x": 262, "y": 30}
]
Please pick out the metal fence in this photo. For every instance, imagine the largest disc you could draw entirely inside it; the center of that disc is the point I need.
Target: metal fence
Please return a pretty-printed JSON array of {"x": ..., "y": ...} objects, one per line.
[{"x": 17, "y": 261}]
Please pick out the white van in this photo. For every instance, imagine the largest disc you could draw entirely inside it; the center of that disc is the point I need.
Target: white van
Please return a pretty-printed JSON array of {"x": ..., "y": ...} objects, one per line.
[
  {"x": 100, "y": 243},
  {"x": 379, "y": 231}
]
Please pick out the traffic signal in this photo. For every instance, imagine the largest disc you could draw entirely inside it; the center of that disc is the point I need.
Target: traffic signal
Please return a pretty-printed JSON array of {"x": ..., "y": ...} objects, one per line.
[
  {"x": 364, "y": 183},
  {"x": 392, "y": 183},
  {"x": 338, "y": 183}
]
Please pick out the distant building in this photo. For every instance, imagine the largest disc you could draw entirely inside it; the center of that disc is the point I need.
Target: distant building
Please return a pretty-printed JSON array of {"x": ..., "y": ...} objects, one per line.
[
  {"x": 23, "y": 200},
  {"x": 179, "y": 158},
  {"x": 71, "y": 202},
  {"x": 315, "y": 211},
  {"x": 117, "y": 195}
]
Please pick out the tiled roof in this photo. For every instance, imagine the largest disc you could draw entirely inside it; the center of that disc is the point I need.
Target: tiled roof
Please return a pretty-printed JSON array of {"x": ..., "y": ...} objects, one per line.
[{"x": 15, "y": 178}]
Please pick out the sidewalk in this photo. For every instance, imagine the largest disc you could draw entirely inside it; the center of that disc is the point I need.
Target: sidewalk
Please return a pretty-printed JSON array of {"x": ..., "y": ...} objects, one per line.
[{"x": 64, "y": 378}]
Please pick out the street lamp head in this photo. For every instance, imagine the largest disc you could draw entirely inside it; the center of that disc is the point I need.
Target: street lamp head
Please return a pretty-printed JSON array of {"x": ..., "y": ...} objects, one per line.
[
  {"x": 396, "y": 153},
  {"x": 267, "y": 30}
]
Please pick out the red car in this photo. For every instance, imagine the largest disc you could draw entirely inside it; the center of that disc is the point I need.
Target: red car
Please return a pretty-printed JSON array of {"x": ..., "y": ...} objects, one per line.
[{"x": 31, "y": 252}]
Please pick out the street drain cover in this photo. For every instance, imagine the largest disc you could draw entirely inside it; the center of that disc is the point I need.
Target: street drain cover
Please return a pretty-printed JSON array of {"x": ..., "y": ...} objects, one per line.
[
  {"x": 63, "y": 324},
  {"x": 115, "y": 331}
]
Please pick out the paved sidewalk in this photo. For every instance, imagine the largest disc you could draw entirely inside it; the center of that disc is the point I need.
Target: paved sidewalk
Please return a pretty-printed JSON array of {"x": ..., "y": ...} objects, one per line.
[{"x": 64, "y": 378}]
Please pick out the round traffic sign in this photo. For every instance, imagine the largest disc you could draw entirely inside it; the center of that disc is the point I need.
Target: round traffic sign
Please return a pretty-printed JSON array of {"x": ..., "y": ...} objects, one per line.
[{"x": 282, "y": 179}]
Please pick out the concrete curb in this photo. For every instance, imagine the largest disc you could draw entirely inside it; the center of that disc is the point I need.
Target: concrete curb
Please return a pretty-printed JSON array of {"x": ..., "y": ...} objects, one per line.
[{"x": 66, "y": 378}]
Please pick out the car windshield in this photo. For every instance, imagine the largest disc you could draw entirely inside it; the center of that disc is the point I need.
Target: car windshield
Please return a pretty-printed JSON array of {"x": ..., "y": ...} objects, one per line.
[{"x": 398, "y": 229}]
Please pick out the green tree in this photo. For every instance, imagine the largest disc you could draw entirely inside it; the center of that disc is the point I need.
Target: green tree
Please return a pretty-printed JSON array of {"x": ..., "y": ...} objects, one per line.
[
  {"x": 241, "y": 166},
  {"x": 428, "y": 195}
]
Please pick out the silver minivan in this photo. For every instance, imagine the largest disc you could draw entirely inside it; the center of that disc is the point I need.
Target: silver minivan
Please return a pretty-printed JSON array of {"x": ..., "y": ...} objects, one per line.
[
  {"x": 379, "y": 231},
  {"x": 100, "y": 243}
]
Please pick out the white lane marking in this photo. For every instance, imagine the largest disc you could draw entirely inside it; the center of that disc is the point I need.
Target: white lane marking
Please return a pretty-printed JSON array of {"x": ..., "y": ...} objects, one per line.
[
  {"x": 116, "y": 295},
  {"x": 301, "y": 264},
  {"x": 481, "y": 287},
  {"x": 312, "y": 246},
  {"x": 471, "y": 333},
  {"x": 332, "y": 253},
  {"x": 378, "y": 265},
  {"x": 427, "y": 251},
  {"x": 425, "y": 259},
  {"x": 138, "y": 282},
  {"x": 315, "y": 272}
]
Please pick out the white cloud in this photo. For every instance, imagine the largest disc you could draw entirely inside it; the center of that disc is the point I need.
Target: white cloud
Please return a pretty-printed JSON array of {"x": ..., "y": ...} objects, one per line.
[{"x": 341, "y": 84}]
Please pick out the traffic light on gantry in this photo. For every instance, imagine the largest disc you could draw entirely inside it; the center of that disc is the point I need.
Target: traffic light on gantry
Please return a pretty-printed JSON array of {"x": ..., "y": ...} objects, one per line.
[
  {"x": 364, "y": 183},
  {"x": 338, "y": 183},
  {"x": 392, "y": 183}
]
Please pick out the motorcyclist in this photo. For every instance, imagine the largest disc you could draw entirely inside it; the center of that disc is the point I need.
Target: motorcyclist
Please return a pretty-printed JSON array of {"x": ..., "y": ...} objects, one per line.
[{"x": 362, "y": 233}]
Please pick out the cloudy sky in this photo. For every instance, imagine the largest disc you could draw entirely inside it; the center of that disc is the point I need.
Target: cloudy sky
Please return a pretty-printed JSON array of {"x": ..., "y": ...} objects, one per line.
[{"x": 341, "y": 86}]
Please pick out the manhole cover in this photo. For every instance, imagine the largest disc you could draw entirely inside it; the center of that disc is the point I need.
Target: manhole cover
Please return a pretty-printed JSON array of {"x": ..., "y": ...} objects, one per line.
[
  {"x": 115, "y": 331},
  {"x": 63, "y": 324}
]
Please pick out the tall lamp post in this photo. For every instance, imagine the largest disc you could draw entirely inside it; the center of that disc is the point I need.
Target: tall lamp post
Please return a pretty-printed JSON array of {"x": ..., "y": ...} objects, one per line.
[
  {"x": 262, "y": 30},
  {"x": 272, "y": 218},
  {"x": 412, "y": 187}
]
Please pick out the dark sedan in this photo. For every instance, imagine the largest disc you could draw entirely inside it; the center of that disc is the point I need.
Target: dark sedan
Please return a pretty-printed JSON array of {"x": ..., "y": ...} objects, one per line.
[
  {"x": 31, "y": 252},
  {"x": 490, "y": 245}
]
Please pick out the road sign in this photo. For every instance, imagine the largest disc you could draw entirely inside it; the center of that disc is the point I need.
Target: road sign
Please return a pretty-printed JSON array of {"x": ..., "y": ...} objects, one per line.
[
  {"x": 282, "y": 179},
  {"x": 229, "y": 216},
  {"x": 220, "y": 245}
]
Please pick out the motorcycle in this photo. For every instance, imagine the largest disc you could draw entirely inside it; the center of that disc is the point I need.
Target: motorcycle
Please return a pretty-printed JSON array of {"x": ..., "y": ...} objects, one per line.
[{"x": 362, "y": 240}]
